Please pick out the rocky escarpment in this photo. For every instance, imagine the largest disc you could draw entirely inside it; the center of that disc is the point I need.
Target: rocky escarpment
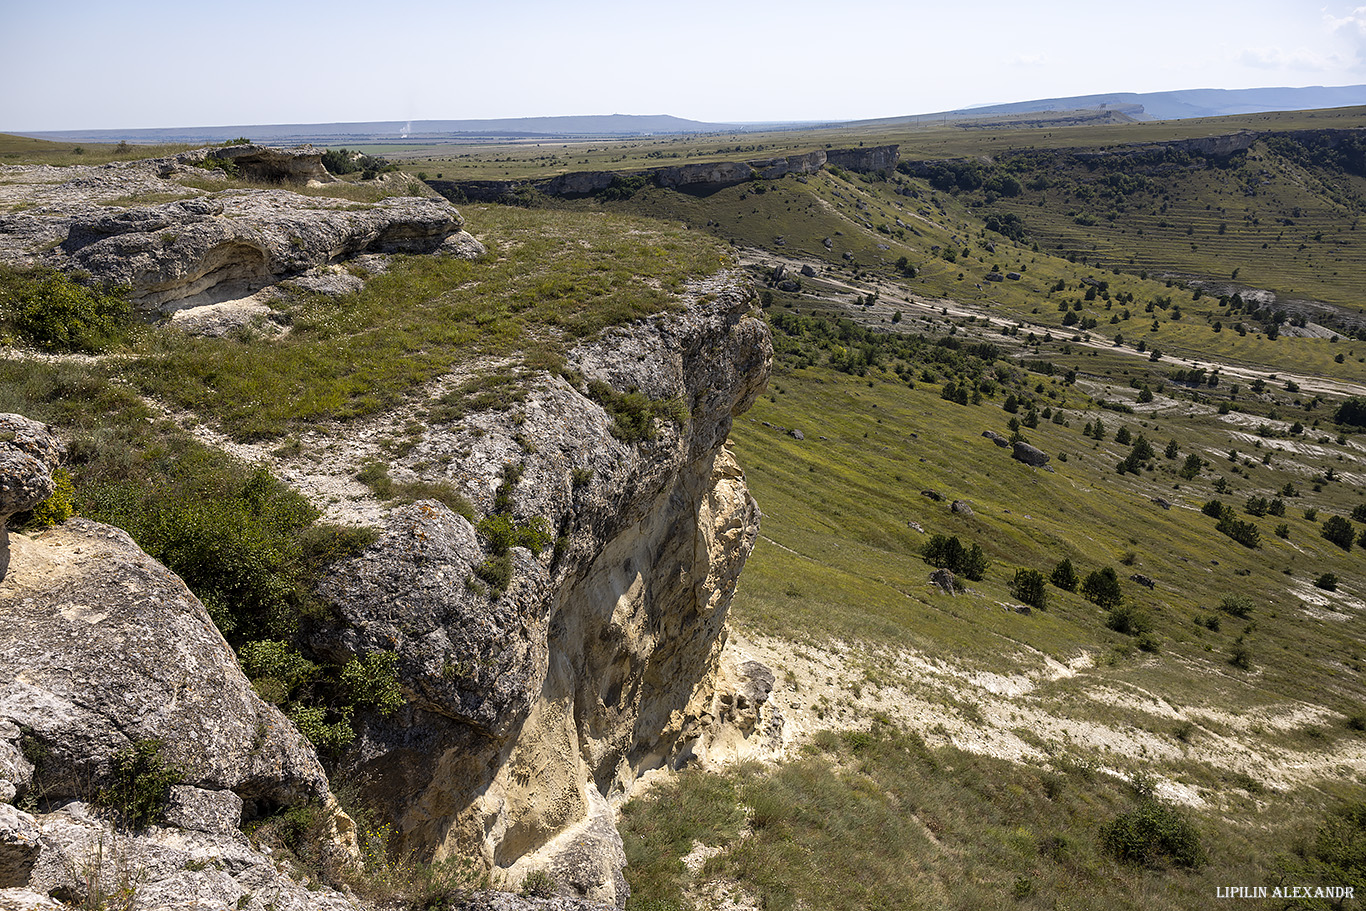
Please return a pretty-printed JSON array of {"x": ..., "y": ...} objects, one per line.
[
  {"x": 102, "y": 652},
  {"x": 530, "y": 711},
  {"x": 209, "y": 246},
  {"x": 699, "y": 176}
]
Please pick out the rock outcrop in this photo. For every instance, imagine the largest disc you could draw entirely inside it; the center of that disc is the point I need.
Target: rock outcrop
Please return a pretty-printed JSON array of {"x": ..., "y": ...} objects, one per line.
[
  {"x": 267, "y": 164},
  {"x": 531, "y": 711},
  {"x": 29, "y": 453},
  {"x": 80, "y": 858},
  {"x": 207, "y": 247},
  {"x": 201, "y": 250}
]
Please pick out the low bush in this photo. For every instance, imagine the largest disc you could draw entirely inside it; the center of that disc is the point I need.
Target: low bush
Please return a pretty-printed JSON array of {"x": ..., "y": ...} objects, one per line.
[
  {"x": 1151, "y": 835},
  {"x": 947, "y": 552}
]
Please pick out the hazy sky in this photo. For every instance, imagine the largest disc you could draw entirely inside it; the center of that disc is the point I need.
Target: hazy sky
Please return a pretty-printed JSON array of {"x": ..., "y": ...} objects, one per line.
[{"x": 148, "y": 63}]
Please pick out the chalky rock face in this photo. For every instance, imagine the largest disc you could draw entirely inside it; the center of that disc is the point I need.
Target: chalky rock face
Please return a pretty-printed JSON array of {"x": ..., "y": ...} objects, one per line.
[
  {"x": 29, "y": 453},
  {"x": 531, "y": 712},
  {"x": 101, "y": 647}
]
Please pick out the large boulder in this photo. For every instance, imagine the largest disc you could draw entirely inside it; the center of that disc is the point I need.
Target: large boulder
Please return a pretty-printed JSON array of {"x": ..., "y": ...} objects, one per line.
[
  {"x": 102, "y": 647},
  {"x": 1030, "y": 455}
]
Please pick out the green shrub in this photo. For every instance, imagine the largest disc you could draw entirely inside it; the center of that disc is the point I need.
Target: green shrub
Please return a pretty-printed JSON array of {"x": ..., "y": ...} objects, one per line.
[
  {"x": 1245, "y": 533},
  {"x": 539, "y": 884},
  {"x": 948, "y": 553},
  {"x": 51, "y": 311},
  {"x": 1328, "y": 582},
  {"x": 1335, "y": 856},
  {"x": 1236, "y": 605},
  {"x": 1152, "y": 834},
  {"x": 1128, "y": 619},
  {"x": 56, "y": 509},
  {"x": 235, "y": 536},
  {"x": 312, "y": 723},
  {"x": 373, "y": 682},
  {"x": 1339, "y": 531},
  {"x": 633, "y": 413},
  {"x": 275, "y": 669},
  {"x": 141, "y": 784}
]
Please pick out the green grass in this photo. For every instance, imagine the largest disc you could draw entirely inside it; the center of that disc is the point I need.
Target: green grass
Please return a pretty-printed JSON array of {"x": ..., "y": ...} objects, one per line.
[{"x": 25, "y": 150}]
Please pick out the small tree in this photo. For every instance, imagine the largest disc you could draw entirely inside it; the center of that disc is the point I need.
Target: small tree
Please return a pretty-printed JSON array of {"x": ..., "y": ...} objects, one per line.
[
  {"x": 975, "y": 563},
  {"x": 1064, "y": 576},
  {"x": 1028, "y": 585},
  {"x": 1102, "y": 588},
  {"x": 1339, "y": 531},
  {"x": 1192, "y": 466}
]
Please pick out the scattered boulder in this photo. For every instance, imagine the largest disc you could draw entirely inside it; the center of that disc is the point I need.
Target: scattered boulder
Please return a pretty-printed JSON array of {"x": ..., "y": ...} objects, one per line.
[
  {"x": 1142, "y": 580},
  {"x": 995, "y": 277},
  {"x": 996, "y": 438},
  {"x": 789, "y": 285},
  {"x": 29, "y": 453},
  {"x": 779, "y": 272},
  {"x": 796, "y": 434},
  {"x": 915, "y": 525},
  {"x": 1030, "y": 455},
  {"x": 808, "y": 271},
  {"x": 945, "y": 579},
  {"x": 1164, "y": 503},
  {"x": 933, "y": 495},
  {"x": 1014, "y": 276},
  {"x": 961, "y": 508}
]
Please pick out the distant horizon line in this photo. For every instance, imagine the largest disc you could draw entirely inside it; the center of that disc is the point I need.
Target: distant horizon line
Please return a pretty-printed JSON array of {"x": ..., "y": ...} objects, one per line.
[{"x": 414, "y": 125}]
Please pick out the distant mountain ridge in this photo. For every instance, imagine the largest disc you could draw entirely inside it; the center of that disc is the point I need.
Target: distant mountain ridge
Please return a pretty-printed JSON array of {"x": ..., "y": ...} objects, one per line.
[
  {"x": 1188, "y": 103},
  {"x": 399, "y": 130}
]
